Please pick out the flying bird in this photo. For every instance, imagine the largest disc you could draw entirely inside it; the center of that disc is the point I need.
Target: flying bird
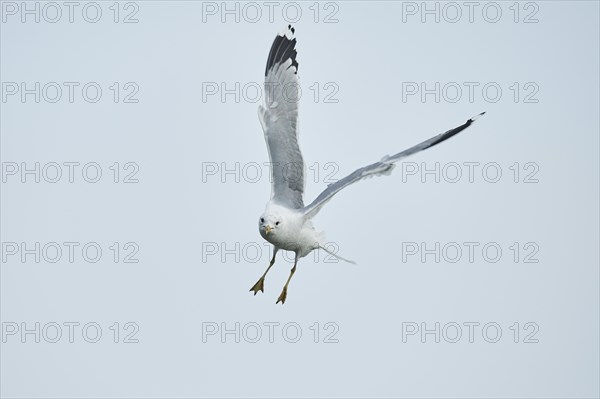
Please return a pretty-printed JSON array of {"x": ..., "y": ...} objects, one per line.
[{"x": 286, "y": 222}]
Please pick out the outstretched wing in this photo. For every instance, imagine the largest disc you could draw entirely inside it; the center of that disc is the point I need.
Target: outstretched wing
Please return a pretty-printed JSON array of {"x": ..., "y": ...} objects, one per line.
[
  {"x": 383, "y": 167},
  {"x": 279, "y": 119}
]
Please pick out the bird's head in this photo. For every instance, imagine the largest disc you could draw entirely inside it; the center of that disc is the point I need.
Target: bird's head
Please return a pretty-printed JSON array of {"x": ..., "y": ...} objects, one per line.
[{"x": 269, "y": 224}]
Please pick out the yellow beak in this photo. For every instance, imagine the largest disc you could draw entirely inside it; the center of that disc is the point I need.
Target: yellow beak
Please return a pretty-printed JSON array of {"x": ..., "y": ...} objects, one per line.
[{"x": 268, "y": 229}]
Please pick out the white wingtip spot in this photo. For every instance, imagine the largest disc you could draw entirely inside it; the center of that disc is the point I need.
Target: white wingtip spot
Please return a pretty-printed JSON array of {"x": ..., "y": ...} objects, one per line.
[
  {"x": 288, "y": 32},
  {"x": 477, "y": 116}
]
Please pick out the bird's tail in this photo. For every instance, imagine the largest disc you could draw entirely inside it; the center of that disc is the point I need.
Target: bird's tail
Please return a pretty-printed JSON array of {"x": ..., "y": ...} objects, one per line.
[
  {"x": 337, "y": 256},
  {"x": 322, "y": 245}
]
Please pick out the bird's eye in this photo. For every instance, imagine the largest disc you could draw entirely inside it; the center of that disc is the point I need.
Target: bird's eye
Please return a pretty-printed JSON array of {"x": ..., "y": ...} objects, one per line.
[
  {"x": 276, "y": 223},
  {"x": 262, "y": 220}
]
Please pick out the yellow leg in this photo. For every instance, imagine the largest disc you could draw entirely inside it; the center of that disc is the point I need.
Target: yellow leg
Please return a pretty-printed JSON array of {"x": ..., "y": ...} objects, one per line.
[
  {"x": 283, "y": 295},
  {"x": 260, "y": 284}
]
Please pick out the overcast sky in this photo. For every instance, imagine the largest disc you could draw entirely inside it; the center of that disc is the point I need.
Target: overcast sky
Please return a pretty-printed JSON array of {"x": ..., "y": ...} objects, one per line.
[{"x": 133, "y": 177}]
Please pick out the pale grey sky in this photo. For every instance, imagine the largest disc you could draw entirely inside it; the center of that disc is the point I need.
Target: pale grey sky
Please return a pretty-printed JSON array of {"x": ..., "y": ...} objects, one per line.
[{"x": 169, "y": 118}]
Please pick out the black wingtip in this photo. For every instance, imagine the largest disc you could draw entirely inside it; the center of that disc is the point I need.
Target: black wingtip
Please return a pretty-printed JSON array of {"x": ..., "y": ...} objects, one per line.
[{"x": 282, "y": 49}]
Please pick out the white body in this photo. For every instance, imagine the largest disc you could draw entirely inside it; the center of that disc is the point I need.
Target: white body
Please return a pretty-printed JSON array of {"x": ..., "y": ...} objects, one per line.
[{"x": 289, "y": 229}]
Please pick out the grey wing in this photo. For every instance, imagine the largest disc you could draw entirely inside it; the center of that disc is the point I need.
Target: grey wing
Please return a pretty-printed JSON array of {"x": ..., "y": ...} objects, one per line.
[
  {"x": 279, "y": 120},
  {"x": 383, "y": 167}
]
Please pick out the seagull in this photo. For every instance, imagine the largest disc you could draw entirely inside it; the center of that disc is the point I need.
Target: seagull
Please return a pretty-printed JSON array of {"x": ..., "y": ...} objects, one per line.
[{"x": 287, "y": 222}]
